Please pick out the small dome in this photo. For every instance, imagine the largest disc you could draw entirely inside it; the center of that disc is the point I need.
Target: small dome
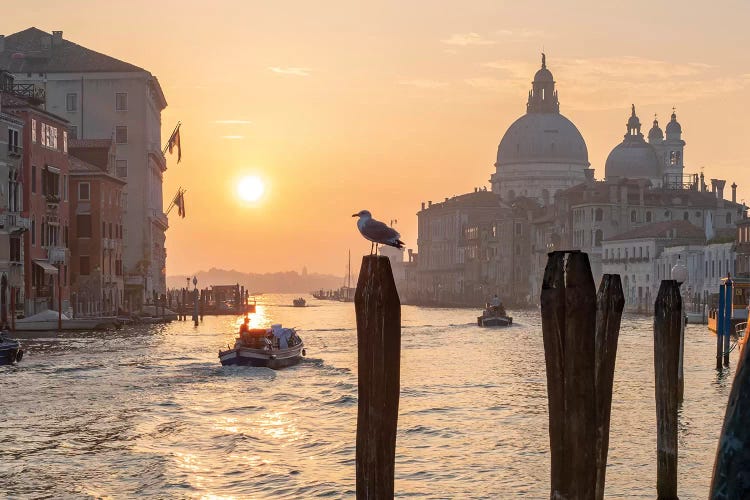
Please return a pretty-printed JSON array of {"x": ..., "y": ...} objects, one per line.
[
  {"x": 632, "y": 160},
  {"x": 674, "y": 127},
  {"x": 655, "y": 134},
  {"x": 543, "y": 75}
]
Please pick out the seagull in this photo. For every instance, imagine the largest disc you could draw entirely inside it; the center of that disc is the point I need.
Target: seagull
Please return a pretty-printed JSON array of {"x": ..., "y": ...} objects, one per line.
[{"x": 376, "y": 231}]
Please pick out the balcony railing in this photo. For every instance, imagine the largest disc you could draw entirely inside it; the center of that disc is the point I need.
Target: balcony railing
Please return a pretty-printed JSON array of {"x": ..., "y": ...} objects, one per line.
[
  {"x": 12, "y": 221},
  {"x": 35, "y": 95},
  {"x": 57, "y": 255},
  {"x": 14, "y": 150},
  {"x": 160, "y": 218}
]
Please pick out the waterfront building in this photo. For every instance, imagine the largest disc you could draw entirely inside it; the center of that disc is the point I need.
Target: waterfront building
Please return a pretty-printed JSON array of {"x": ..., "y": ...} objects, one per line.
[
  {"x": 12, "y": 223},
  {"x": 45, "y": 203},
  {"x": 542, "y": 152},
  {"x": 96, "y": 229},
  {"x": 104, "y": 98},
  {"x": 742, "y": 249}
]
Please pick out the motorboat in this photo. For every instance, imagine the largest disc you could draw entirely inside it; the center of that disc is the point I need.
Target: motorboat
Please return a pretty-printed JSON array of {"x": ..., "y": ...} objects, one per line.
[
  {"x": 50, "y": 320},
  {"x": 299, "y": 302},
  {"x": 494, "y": 316},
  {"x": 10, "y": 350},
  {"x": 273, "y": 348}
]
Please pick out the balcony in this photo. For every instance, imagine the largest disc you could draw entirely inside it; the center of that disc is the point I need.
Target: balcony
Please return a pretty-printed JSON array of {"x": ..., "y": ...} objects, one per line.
[
  {"x": 160, "y": 219},
  {"x": 57, "y": 255},
  {"x": 13, "y": 222},
  {"x": 35, "y": 95},
  {"x": 15, "y": 151}
]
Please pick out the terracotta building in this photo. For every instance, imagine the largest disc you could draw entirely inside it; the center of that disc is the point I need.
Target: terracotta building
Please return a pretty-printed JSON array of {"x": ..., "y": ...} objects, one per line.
[{"x": 96, "y": 228}]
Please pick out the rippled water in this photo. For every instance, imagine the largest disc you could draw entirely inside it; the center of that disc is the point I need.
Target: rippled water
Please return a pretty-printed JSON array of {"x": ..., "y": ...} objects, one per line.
[{"x": 149, "y": 411}]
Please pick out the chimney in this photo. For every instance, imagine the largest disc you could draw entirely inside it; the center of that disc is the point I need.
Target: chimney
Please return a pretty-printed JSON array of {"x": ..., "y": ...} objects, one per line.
[
  {"x": 411, "y": 255},
  {"x": 734, "y": 192},
  {"x": 57, "y": 38},
  {"x": 720, "y": 188},
  {"x": 2, "y": 43},
  {"x": 429, "y": 203},
  {"x": 446, "y": 198},
  {"x": 713, "y": 186},
  {"x": 422, "y": 205}
]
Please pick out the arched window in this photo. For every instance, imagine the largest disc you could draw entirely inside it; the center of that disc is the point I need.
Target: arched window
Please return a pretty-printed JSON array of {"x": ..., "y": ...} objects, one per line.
[
  {"x": 686, "y": 216},
  {"x": 632, "y": 216},
  {"x": 598, "y": 238},
  {"x": 648, "y": 216},
  {"x": 729, "y": 218},
  {"x": 598, "y": 214}
]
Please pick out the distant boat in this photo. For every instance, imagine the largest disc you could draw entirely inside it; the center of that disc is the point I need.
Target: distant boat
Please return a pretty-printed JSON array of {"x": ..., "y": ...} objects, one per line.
[
  {"x": 261, "y": 349},
  {"x": 299, "y": 302},
  {"x": 494, "y": 316},
  {"x": 10, "y": 351},
  {"x": 346, "y": 293}
]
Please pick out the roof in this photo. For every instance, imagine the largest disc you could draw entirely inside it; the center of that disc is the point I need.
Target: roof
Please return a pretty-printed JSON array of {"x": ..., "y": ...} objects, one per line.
[
  {"x": 78, "y": 165},
  {"x": 542, "y": 138},
  {"x": 89, "y": 143},
  {"x": 471, "y": 200},
  {"x": 34, "y": 51},
  {"x": 672, "y": 229}
]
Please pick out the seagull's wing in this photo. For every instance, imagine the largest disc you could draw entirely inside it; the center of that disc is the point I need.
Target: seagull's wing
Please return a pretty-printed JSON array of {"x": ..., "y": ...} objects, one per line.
[{"x": 375, "y": 230}]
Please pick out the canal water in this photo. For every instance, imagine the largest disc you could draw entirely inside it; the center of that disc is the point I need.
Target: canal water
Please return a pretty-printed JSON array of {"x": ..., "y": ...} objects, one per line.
[{"x": 150, "y": 412}]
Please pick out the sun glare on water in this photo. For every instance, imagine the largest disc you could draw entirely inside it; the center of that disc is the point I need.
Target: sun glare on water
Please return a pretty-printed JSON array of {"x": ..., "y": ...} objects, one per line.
[{"x": 250, "y": 188}]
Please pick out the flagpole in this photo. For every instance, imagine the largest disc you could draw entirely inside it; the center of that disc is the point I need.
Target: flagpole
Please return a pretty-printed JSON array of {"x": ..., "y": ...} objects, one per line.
[
  {"x": 180, "y": 192},
  {"x": 164, "y": 151}
]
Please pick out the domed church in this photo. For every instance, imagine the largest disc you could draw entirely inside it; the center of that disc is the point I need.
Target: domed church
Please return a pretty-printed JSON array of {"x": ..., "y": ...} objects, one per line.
[
  {"x": 658, "y": 160},
  {"x": 542, "y": 152}
]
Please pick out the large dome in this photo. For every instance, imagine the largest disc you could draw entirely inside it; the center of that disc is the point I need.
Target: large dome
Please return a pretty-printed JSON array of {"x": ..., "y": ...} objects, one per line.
[
  {"x": 632, "y": 160},
  {"x": 542, "y": 138}
]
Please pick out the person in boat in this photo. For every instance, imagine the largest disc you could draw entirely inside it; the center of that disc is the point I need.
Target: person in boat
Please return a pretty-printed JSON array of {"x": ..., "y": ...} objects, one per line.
[
  {"x": 496, "y": 306},
  {"x": 245, "y": 327}
]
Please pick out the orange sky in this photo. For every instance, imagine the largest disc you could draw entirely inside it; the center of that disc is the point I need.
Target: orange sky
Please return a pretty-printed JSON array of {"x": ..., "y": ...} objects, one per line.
[{"x": 341, "y": 106}]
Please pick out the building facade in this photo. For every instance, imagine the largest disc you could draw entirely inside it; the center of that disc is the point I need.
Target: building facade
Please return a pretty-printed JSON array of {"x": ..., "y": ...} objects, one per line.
[
  {"x": 96, "y": 229},
  {"x": 105, "y": 98}
]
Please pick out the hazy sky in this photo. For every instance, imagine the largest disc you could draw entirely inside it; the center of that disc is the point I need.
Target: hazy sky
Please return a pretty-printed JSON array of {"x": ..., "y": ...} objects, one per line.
[{"x": 340, "y": 106}]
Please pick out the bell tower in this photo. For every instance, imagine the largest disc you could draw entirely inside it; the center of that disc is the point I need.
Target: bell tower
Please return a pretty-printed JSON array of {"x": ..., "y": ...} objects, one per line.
[{"x": 543, "y": 96}]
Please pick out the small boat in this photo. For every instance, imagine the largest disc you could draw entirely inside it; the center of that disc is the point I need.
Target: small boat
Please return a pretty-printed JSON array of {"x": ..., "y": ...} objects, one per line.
[
  {"x": 299, "y": 302},
  {"x": 494, "y": 317},
  {"x": 277, "y": 348},
  {"x": 10, "y": 351},
  {"x": 48, "y": 321}
]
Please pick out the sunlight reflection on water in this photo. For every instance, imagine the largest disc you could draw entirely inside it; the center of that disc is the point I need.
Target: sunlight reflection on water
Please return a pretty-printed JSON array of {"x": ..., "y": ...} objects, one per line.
[{"x": 150, "y": 411}]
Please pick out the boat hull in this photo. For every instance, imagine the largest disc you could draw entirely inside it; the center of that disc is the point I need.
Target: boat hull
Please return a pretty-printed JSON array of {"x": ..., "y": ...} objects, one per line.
[
  {"x": 67, "y": 324},
  {"x": 10, "y": 352},
  {"x": 275, "y": 359},
  {"x": 489, "y": 321}
]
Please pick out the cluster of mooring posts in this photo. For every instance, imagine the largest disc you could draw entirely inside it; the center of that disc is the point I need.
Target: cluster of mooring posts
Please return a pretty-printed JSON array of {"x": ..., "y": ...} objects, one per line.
[
  {"x": 724, "y": 322},
  {"x": 580, "y": 330},
  {"x": 218, "y": 300}
]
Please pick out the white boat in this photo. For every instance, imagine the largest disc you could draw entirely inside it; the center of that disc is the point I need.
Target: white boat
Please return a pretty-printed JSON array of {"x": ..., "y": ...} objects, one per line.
[
  {"x": 10, "y": 351},
  {"x": 261, "y": 348},
  {"x": 48, "y": 321}
]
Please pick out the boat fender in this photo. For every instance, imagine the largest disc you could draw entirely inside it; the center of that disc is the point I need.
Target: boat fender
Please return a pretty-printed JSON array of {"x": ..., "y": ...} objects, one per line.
[{"x": 304, "y": 353}]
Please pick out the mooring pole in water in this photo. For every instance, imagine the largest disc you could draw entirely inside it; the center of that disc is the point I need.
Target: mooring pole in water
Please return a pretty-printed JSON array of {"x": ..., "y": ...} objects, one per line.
[
  {"x": 730, "y": 477},
  {"x": 610, "y": 301},
  {"x": 728, "y": 303},
  {"x": 378, "y": 311},
  {"x": 667, "y": 325},
  {"x": 568, "y": 300},
  {"x": 195, "y": 307},
  {"x": 720, "y": 328}
]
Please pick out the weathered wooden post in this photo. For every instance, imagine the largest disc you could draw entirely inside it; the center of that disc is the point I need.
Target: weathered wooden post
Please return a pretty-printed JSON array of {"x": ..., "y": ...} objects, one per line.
[
  {"x": 378, "y": 311},
  {"x": 667, "y": 323},
  {"x": 568, "y": 302},
  {"x": 728, "y": 305},
  {"x": 610, "y": 302},
  {"x": 720, "y": 328},
  {"x": 730, "y": 478}
]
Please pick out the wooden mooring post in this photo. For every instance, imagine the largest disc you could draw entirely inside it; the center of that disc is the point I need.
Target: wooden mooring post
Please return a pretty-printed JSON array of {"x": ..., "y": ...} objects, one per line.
[
  {"x": 667, "y": 327},
  {"x": 580, "y": 331},
  {"x": 730, "y": 478},
  {"x": 378, "y": 311}
]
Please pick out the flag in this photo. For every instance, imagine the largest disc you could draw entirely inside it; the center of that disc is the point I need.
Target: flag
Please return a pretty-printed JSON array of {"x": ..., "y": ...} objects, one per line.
[
  {"x": 180, "y": 202},
  {"x": 174, "y": 142}
]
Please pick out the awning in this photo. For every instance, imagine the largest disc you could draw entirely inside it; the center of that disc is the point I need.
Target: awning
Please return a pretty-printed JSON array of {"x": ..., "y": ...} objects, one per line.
[{"x": 48, "y": 268}]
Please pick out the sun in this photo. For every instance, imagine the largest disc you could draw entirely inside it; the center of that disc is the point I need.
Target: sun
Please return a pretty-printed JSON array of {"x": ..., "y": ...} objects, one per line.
[{"x": 250, "y": 188}]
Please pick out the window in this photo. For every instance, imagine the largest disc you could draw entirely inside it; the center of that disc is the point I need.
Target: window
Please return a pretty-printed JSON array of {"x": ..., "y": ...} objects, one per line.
[
  {"x": 65, "y": 187},
  {"x": 83, "y": 223},
  {"x": 729, "y": 218},
  {"x": 33, "y": 232},
  {"x": 121, "y": 101},
  {"x": 598, "y": 238},
  {"x": 71, "y": 102},
  {"x": 674, "y": 157},
  {"x": 13, "y": 146},
  {"x": 84, "y": 191},
  {"x": 51, "y": 183},
  {"x": 121, "y": 168},
  {"x": 648, "y": 216},
  {"x": 109, "y": 227},
  {"x": 73, "y": 132},
  {"x": 121, "y": 135},
  {"x": 598, "y": 214},
  {"x": 686, "y": 216},
  {"x": 85, "y": 265},
  {"x": 65, "y": 141},
  {"x": 15, "y": 249},
  {"x": 33, "y": 130},
  {"x": 33, "y": 179},
  {"x": 104, "y": 229},
  {"x": 632, "y": 216}
]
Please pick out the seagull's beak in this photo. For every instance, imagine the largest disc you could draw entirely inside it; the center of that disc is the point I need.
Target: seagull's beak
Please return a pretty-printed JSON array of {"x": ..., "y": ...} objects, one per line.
[{"x": 355, "y": 215}]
